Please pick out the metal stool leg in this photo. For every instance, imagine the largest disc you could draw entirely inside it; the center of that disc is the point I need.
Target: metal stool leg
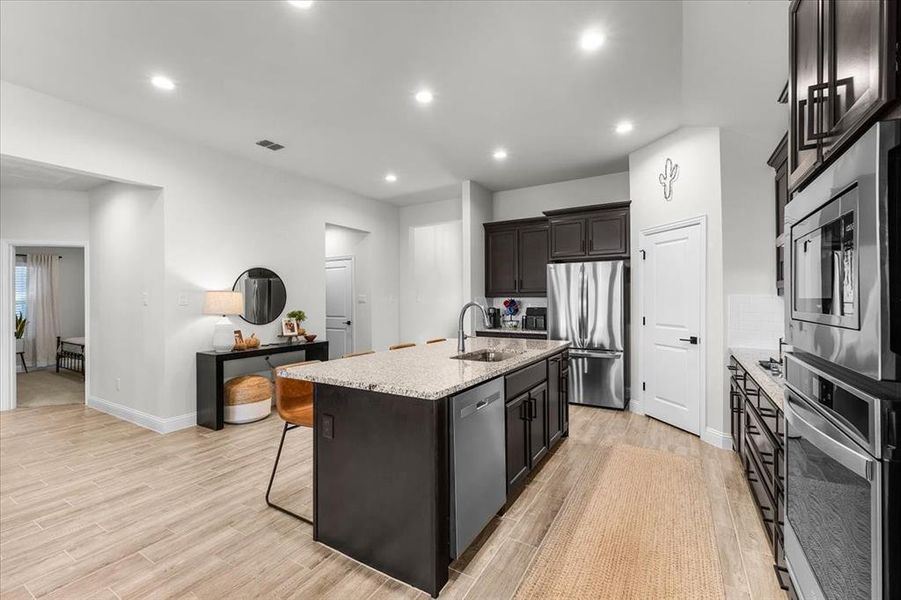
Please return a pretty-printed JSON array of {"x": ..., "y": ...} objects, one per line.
[
  {"x": 272, "y": 477},
  {"x": 24, "y": 366}
]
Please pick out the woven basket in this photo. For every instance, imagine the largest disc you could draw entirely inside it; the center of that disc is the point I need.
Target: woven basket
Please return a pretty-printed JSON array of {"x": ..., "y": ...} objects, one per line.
[{"x": 247, "y": 389}]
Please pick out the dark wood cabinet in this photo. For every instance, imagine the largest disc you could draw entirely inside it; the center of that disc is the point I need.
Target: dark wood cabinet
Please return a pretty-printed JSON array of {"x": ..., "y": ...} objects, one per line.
[
  {"x": 758, "y": 430},
  {"x": 608, "y": 233},
  {"x": 501, "y": 250},
  {"x": 568, "y": 237},
  {"x": 538, "y": 430},
  {"x": 779, "y": 162},
  {"x": 533, "y": 244},
  {"x": 516, "y": 256},
  {"x": 841, "y": 75},
  {"x": 517, "y": 442},
  {"x": 590, "y": 232},
  {"x": 537, "y": 416},
  {"x": 554, "y": 399}
]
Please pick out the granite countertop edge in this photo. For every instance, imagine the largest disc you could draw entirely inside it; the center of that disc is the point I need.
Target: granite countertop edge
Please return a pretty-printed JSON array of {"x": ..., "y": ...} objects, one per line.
[
  {"x": 529, "y": 356},
  {"x": 747, "y": 358}
]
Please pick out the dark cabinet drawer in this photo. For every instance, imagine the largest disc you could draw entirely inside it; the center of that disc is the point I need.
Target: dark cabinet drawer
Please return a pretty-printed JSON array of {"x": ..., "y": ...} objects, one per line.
[
  {"x": 525, "y": 379},
  {"x": 761, "y": 495},
  {"x": 764, "y": 448}
]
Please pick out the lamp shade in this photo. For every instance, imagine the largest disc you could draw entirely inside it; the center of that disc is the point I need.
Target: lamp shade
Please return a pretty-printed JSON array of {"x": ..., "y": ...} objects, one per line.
[{"x": 223, "y": 302}]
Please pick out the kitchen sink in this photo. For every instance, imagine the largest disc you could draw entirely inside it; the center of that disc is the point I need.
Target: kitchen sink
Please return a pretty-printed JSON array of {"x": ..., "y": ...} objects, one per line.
[{"x": 486, "y": 355}]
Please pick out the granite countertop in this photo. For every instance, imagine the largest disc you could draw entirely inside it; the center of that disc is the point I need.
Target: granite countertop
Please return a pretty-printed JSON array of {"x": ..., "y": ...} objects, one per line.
[
  {"x": 426, "y": 371},
  {"x": 516, "y": 331},
  {"x": 772, "y": 386}
]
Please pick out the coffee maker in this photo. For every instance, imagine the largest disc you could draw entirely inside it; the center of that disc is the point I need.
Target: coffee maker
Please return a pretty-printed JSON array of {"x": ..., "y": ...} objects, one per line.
[{"x": 494, "y": 317}]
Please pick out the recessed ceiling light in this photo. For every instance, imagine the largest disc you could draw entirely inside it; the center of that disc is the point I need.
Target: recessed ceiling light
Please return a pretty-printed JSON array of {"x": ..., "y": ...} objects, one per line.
[
  {"x": 500, "y": 154},
  {"x": 390, "y": 177},
  {"x": 301, "y": 3},
  {"x": 424, "y": 96},
  {"x": 591, "y": 40},
  {"x": 162, "y": 82},
  {"x": 624, "y": 127}
]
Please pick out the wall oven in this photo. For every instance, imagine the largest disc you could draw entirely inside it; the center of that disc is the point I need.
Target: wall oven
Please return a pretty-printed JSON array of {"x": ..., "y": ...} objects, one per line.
[
  {"x": 843, "y": 247},
  {"x": 841, "y": 484}
]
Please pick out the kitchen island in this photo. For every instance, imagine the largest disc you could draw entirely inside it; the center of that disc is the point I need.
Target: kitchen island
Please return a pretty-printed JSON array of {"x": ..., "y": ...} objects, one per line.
[{"x": 383, "y": 456}]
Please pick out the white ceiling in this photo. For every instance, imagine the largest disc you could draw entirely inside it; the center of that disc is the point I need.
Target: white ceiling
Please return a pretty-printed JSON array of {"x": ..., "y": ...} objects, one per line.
[
  {"x": 334, "y": 84},
  {"x": 16, "y": 173}
]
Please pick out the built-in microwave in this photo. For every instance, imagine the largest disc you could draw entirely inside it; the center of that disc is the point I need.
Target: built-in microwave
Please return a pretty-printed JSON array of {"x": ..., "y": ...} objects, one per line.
[{"x": 843, "y": 254}]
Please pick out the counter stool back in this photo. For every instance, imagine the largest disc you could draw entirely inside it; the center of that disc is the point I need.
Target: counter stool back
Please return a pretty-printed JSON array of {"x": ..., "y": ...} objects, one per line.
[{"x": 294, "y": 402}]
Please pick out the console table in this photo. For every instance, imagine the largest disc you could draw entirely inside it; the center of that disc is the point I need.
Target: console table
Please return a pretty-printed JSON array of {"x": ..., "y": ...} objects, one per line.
[{"x": 210, "y": 373}]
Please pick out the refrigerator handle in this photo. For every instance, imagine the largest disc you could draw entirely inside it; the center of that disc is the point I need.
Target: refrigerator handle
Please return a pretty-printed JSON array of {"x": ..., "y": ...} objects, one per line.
[{"x": 582, "y": 307}]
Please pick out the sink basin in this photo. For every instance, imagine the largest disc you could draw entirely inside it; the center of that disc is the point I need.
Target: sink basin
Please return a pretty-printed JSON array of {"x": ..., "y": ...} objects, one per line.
[{"x": 486, "y": 355}]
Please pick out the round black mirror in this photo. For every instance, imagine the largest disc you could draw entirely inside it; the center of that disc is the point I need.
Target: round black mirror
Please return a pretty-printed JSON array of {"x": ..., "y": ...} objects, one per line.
[{"x": 264, "y": 295}]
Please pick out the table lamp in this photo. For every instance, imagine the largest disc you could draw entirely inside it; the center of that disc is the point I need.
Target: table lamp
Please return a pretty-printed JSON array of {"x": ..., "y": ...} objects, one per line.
[{"x": 225, "y": 303}]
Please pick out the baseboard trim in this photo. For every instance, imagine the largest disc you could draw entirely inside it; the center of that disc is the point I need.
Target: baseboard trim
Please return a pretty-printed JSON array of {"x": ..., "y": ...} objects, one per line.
[
  {"x": 636, "y": 406},
  {"x": 717, "y": 438},
  {"x": 142, "y": 419}
]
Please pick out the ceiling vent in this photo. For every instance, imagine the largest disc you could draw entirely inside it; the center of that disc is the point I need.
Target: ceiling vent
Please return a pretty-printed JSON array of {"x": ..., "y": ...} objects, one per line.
[{"x": 269, "y": 144}]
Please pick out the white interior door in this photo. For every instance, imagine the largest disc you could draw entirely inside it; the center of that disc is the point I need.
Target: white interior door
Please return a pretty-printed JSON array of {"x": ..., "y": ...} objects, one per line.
[
  {"x": 339, "y": 306},
  {"x": 672, "y": 289}
]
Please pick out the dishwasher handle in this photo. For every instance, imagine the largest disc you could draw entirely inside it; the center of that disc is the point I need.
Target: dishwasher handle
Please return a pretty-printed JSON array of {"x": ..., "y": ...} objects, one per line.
[{"x": 471, "y": 409}]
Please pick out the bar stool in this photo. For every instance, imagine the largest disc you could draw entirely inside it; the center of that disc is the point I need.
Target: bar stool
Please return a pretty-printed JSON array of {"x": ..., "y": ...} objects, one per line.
[
  {"x": 436, "y": 340},
  {"x": 294, "y": 402},
  {"x": 401, "y": 346}
]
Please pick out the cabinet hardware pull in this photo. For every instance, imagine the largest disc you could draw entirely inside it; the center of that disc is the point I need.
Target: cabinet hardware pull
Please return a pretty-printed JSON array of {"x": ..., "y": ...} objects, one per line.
[{"x": 813, "y": 132}]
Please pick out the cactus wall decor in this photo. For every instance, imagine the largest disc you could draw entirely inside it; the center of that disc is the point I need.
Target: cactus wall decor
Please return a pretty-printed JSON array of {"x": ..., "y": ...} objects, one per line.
[{"x": 669, "y": 175}]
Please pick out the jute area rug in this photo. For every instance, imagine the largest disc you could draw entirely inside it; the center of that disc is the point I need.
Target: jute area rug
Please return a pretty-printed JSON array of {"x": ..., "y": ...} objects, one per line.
[{"x": 636, "y": 526}]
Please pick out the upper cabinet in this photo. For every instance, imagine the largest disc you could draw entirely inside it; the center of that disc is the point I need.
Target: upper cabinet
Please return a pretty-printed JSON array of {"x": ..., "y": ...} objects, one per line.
[
  {"x": 517, "y": 252},
  {"x": 779, "y": 161},
  {"x": 594, "y": 232},
  {"x": 516, "y": 256},
  {"x": 841, "y": 74}
]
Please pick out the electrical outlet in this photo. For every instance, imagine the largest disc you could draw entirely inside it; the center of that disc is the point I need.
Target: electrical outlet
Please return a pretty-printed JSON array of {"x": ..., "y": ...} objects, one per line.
[
  {"x": 328, "y": 427},
  {"x": 145, "y": 298},
  {"x": 118, "y": 384}
]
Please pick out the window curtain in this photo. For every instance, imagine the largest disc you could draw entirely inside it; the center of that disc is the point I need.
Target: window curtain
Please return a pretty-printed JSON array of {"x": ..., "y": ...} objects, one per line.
[{"x": 43, "y": 309}]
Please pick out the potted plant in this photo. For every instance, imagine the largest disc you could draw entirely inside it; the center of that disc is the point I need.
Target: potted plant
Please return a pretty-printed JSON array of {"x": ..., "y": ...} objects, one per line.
[
  {"x": 299, "y": 316},
  {"x": 20, "y": 332}
]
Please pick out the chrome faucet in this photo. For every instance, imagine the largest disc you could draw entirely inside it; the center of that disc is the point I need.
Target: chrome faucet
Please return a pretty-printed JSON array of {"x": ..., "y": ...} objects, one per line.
[{"x": 461, "y": 337}]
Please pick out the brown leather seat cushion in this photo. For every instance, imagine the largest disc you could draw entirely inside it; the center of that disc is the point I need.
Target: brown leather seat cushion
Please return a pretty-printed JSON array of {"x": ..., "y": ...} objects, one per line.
[{"x": 294, "y": 397}]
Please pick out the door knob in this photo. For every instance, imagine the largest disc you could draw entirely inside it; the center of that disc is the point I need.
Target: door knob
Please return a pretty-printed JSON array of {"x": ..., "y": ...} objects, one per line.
[
  {"x": 347, "y": 322},
  {"x": 691, "y": 340}
]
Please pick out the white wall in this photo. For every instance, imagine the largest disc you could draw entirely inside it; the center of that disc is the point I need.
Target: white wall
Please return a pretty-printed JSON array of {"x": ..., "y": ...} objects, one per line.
[
  {"x": 43, "y": 215},
  {"x": 431, "y": 261},
  {"x": 344, "y": 241},
  {"x": 532, "y": 201},
  {"x": 128, "y": 330},
  {"x": 221, "y": 215},
  {"x": 698, "y": 191},
  {"x": 477, "y": 210},
  {"x": 71, "y": 286}
]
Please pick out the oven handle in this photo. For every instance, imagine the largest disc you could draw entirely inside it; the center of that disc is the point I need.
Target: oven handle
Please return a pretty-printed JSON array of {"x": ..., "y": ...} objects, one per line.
[{"x": 827, "y": 437}]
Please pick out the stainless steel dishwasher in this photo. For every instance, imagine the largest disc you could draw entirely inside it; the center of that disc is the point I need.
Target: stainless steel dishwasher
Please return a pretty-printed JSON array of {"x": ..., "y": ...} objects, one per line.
[{"x": 478, "y": 485}]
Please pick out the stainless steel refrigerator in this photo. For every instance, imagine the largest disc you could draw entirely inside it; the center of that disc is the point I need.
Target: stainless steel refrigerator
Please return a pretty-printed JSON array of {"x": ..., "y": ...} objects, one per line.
[{"x": 588, "y": 305}]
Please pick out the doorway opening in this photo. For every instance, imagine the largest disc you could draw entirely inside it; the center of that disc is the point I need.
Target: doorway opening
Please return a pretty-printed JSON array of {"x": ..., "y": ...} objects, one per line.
[
  {"x": 348, "y": 318},
  {"x": 49, "y": 287},
  {"x": 672, "y": 300}
]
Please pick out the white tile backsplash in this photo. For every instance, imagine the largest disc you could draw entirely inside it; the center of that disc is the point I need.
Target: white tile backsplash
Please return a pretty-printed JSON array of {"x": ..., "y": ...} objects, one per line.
[{"x": 755, "y": 321}]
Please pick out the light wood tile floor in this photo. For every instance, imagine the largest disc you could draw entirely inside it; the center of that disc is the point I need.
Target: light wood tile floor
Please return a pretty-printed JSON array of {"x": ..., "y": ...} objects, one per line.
[{"x": 92, "y": 507}]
